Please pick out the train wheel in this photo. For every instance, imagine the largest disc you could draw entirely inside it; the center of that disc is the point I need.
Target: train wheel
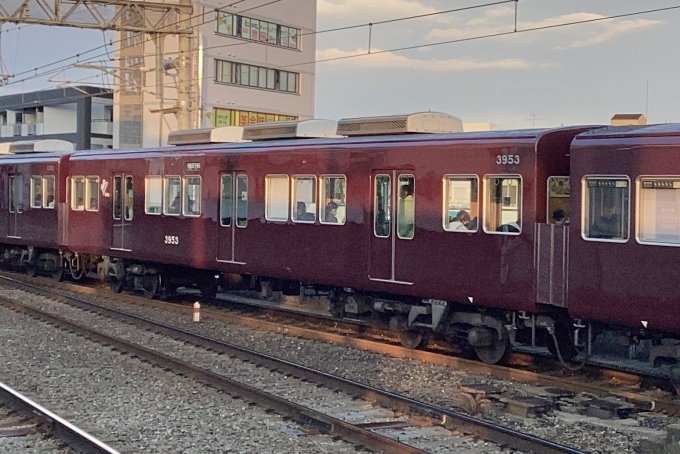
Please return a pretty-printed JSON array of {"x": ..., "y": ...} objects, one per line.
[
  {"x": 58, "y": 274},
  {"x": 151, "y": 285},
  {"x": 208, "y": 289},
  {"x": 494, "y": 353},
  {"x": 410, "y": 339},
  {"x": 115, "y": 284}
]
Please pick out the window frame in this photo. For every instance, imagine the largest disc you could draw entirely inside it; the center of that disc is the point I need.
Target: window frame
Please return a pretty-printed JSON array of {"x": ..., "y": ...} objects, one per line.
[
  {"x": 267, "y": 202},
  {"x": 239, "y": 224},
  {"x": 32, "y": 191},
  {"x": 146, "y": 194},
  {"x": 74, "y": 194},
  {"x": 88, "y": 180},
  {"x": 584, "y": 194},
  {"x": 374, "y": 202},
  {"x": 14, "y": 201},
  {"x": 128, "y": 208},
  {"x": 54, "y": 192},
  {"x": 231, "y": 201},
  {"x": 398, "y": 211},
  {"x": 165, "y": 199},
  {"x": 445, "y": 208},
  {"x": 185, "y": 194},
  {"x": 322, "y": 194},
  {"x": 487, "y": 205},
  {"x": 638, "y": 205},
  {"x": 294, "y": 201}
]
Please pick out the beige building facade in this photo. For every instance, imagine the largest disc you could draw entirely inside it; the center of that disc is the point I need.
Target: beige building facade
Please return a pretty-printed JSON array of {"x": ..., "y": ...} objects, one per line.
[{"x": 249, "y": 64}]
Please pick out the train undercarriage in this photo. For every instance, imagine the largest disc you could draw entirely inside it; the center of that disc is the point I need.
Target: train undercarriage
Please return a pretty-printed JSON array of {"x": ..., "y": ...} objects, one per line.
[{"x": 489, "y": 333}]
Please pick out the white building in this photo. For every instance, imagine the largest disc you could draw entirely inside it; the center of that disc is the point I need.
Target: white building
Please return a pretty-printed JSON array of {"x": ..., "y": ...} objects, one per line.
[{"x": 250, "y": 65}]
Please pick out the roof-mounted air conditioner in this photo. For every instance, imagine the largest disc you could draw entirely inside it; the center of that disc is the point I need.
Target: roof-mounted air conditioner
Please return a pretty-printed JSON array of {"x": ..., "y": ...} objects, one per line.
[
  {"x": 419, "y": 123},
  {"x": 40, "y": 146},
  {"x": 225, "y": 134},
  {"x": 291, "y": 130}
]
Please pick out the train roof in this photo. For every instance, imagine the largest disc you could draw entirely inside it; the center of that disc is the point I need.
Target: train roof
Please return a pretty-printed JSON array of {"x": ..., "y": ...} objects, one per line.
[
  {"x": 519, "y": 135},
  {"x": 612, "y": 132}
]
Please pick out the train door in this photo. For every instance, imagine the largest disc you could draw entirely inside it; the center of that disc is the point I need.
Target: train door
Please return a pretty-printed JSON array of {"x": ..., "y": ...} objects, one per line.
[
  {"x": 552, "y": 240},
  {"x": 123, "y": 198},
  {"x": 233, "y": 217},
  {"x": 393, "y": 224},
  {"x": 16, "y": 200}
]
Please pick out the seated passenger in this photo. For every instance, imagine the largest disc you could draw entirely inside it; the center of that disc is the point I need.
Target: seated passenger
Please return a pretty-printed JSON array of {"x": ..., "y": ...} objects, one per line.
[
  {"x": 510, "y": 227},
  {"x": 301, "y": 213},
  {"x": 461, "y": 221},
  {"x": 330, "y": 213},
  {"x": 50, "y": 201},
  {"x": 560, "y": 217}
]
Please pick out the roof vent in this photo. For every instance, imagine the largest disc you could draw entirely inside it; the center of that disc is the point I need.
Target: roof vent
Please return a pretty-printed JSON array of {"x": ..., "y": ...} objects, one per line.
[
  {"x": 423, "y": 122},
  {"x": 40, "y": 146},
  {"x": 291, "y": 130},
  {"x": 226, "y": 134}
]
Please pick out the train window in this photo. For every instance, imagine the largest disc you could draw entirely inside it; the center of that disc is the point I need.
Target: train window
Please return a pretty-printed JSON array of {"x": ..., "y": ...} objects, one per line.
[
  {"x": 92, "y": 194},
  {"x": 242, "y": 201},
  {"x": 277, "y": 197},
  {"x": 304, "y": 198},
  {"x": 117, "y": 197},
  {"x": 77, "y": 193},
  {"x": 333, "y": 192},
  {"x": 173, "y": 191},
  {"x": 658, "y": 217},
  {"x": 36, "y": 192},
  {"x": 504, "y": 210},
  {"x": 226, "y": 202},
  {"x": 192, "y": 196},
  {"x": 461, "y": 204},
  {"x": 16, "y": 194},
  {"x": 48, "y": 192},
  {"x": 153, "y": 186},
  {"x": 383, "y": 206},
  {"x": 129, "y": 198},
  {"x": 606, "y": 208},
  {"x": 406, "y": 219}
]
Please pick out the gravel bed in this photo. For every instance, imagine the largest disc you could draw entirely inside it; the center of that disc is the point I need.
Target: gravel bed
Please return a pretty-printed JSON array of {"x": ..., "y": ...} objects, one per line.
[
  {"x": 432, "y": 384},
  {"x": 308, "y": 394},
  {"x": 141, "y": 407}
]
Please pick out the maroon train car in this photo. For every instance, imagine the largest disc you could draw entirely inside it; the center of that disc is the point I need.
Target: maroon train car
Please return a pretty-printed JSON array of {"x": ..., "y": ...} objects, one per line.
[
  {"x": 32, "y": 205},
  {"x": 429, "y": 233},
  {"x": 623, "y": 252}
]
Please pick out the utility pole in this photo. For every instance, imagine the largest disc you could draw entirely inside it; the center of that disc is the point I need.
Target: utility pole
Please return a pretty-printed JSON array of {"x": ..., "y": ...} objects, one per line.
[
  {"x": 533, "y": 119},
  {"x": 184, "y": 71}
]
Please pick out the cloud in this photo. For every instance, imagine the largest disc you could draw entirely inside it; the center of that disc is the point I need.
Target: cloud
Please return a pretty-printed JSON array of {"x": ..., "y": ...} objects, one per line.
[
  {"x": 373, "y": 10},
  {"x": 598, "y": 32},
  {"x": 392, "y": 60}
]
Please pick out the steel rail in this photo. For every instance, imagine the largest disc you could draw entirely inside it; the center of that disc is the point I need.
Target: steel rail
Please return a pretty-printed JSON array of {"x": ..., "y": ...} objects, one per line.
[
  {"x": 301, "y": 414},
  {"x": 451, "y": 419},
  {"x": 76, "y": 438}
]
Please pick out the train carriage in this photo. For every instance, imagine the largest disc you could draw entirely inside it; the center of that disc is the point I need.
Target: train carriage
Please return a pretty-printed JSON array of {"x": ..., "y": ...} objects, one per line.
[
  {"x": 626, "y": 229},
  {"x": 32, "y": 206}
]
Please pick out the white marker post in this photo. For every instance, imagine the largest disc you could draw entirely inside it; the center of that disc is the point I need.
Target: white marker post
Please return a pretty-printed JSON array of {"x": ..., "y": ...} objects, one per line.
[{"x": 197, "y": 312}]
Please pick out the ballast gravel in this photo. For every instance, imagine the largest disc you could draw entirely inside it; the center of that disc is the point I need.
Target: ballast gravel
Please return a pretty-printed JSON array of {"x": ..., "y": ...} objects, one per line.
[{"x": 428, "y": 383}]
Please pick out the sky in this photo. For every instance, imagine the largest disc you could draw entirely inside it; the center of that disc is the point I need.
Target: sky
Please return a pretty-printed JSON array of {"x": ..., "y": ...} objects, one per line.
[{"x": 564, "y": 75}]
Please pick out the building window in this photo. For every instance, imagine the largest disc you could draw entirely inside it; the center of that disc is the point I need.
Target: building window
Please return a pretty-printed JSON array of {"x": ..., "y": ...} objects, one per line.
[
  {"x": 504, "y": 208},
  {"x": 228, "y": 117},
  {"x": 256, "y": 76},
  {"x": 606, "y": 208},
  {"x": 92, "y": 194},
  {"x": 258, "y": 30},
  {"x": 460, "y": 203},
  {"x": 333, "y": 191},
  {"x": 277, "y": 198},
  {"x": 154, "y": 195},
  {"x": 77, "y": 193},
  {"x": 304, "y": 198},
  {"x": 173, "y": 193}
]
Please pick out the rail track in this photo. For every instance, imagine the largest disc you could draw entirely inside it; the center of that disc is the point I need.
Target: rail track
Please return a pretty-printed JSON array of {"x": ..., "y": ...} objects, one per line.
[
  {"x": 20, "y": 416},
  {"x": 355, "y": 433}
]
